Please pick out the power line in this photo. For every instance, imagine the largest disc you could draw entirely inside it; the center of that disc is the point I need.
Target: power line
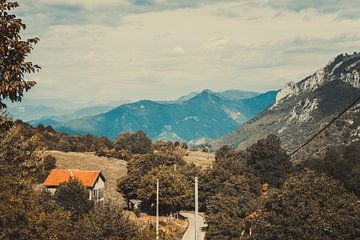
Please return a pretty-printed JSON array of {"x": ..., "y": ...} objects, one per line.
[{"x": 326, "y": 126}]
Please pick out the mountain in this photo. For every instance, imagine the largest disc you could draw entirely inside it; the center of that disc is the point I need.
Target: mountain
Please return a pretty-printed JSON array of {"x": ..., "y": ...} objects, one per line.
[
  {"x": 71, "y": 115},
  {"x": 56, "y": 103},
  {"x": 30, "y": 112},
  {"x": 302, "y": 109},
  {"x": 56, "y": 109},
  {"x": 227, "y": 94},
  {"x": 206, "y": 114}
]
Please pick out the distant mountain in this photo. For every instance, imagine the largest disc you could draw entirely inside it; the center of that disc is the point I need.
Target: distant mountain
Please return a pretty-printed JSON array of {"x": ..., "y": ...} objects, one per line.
[
  {"x": 55, "y": 103},
  {"x": 71, "y": 115},
  {"x": 31, "y": 112},
  {"x": 56, "y": 109},
  {"x": 227, "y": 94},
  {"x": 206, "y": 114},
  {"x": 302, "y": 108}
]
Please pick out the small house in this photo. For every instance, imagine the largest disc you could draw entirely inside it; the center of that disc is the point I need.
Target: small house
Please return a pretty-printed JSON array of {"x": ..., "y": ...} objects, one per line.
[{"x": 94, "y": 181}]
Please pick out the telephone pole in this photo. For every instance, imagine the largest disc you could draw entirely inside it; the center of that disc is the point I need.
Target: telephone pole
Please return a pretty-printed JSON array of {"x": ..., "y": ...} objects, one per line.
[
  {"x": 196, "y": 210},
  {"x": 157, "y": 209}
]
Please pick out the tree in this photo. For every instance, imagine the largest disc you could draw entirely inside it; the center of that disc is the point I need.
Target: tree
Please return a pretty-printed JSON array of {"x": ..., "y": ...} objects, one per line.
[
  {"x": 230, "y": 190},
  {"x": 25, "y": 214},
  {"x": 342, "y": 163},
  {"x": 73, "y": 196},
  {"x": 308, "y": 206},
  {"x": 227, "y": 209},
  {"x": 228, "y": 164},
  {"x": 106, "y": 222},
  {"x": 135, "y": 143},
  {"x": 174, "y": 191},
  {"x": 13, "y": 54},
  {"x": 140, "y": 165},
  {"x": 270, "y": 162}
]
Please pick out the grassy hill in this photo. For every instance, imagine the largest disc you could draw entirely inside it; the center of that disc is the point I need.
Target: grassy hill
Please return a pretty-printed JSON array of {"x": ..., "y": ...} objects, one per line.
[{"x": 112, "y": 169}]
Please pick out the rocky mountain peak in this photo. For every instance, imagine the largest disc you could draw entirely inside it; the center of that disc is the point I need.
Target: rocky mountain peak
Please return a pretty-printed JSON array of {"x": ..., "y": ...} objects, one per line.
[
  {"x": 303, "y": 108},
  {"x": 207, "y": 96},
  {"x": 344, "y": 67}
]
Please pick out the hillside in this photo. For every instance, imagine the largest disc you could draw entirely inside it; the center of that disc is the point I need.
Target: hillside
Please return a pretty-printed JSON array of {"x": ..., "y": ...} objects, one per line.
[
  {"x": 303, "y": 108},
  {"x": 111, "y": 167},
  {"x": 206, "y": 114}
]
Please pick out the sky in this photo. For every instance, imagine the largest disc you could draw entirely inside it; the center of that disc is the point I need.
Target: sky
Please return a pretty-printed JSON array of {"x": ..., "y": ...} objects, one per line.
[{"x": 114, "y": 50}]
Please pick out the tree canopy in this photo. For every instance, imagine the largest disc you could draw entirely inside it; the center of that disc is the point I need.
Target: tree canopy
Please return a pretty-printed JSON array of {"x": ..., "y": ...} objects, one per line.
[
  {"x": 174, "y": 191},
  {"x": 13, "y": 54},
  {"x": 73, "y": 197},
  {"x": 270, "y": 162},
  {"x": 308, "y": 206},
  {"x": 135, "y": 143}
]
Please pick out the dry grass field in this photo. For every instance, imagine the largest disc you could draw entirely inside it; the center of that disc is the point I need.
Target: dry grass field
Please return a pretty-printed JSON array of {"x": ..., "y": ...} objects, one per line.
[
  {"x": 199, "y": 158},
  {"x": 112, "y": 168}
]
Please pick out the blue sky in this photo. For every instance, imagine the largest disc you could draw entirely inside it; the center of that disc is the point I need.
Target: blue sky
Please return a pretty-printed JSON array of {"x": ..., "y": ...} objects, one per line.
[{"x": 102, "y": 50}]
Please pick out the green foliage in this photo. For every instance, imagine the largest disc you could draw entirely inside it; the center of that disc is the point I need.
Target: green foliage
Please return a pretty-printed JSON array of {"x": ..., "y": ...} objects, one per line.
[
  {"x": 27, "y": 215},
  {"x": 107, "y": 222},
  {"x": 341, "y": 163},
  {"x": 308, "y": 206},
  {"x": 269, "y": 161},
  {"x": 135, "y": 143},
  {"x": 47, "y": 138},
  {"x": 19, "y": 156},
  {"x": 230, "y": 190},
  {"x": 74, "y": 197},
  {"x": 225, "y": 213},
  {"x": 228, "y": 163},
  {"x": 175, "y": 190},
  {"x": 140, "y": 165},
  {"x": 13, "y": 54}
]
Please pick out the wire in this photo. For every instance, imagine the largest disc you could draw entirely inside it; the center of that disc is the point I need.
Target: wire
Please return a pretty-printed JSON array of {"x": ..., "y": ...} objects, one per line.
[{"x": 327, "y": 125}]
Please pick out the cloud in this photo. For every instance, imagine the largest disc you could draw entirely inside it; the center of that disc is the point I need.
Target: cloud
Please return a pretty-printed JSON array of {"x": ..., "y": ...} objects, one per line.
[
  {"x": 343, "y": 9},
  {"x": 163, "y": 49},
  {"x": 215, "y": 43}
]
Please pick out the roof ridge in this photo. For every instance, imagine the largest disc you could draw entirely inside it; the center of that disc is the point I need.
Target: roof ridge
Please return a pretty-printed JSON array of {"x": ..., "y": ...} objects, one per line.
[{"x": 76, "y": 170}]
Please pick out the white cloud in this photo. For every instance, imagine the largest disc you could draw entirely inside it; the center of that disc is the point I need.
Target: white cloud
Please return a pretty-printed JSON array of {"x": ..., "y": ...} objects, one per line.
[
  {"x": 215, "y": 43},
  {"x": 137, "y": 51}
]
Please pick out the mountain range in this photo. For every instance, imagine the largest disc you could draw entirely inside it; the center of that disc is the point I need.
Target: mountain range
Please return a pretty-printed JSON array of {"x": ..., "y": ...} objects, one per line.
[
  {"x": 302, "y": 109},
  {"x": 197, "y": 115}
]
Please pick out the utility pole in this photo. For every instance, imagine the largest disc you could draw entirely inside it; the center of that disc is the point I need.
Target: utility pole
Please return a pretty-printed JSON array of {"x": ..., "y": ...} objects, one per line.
[
  {"x": 157, "y": 209},
  {"x": 196, "y": 210}
]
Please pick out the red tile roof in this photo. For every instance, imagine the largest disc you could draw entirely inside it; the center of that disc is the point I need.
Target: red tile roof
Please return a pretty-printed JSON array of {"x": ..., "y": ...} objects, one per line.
[{"x": 87, "y": 178}]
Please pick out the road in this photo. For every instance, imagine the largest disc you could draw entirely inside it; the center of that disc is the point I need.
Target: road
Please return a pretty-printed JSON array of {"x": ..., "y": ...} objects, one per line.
[{"x": 190, "y": 232}]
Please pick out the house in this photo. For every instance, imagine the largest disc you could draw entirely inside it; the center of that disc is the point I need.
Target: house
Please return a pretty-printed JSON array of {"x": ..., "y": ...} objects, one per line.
[{"x": 94, "y": 181}]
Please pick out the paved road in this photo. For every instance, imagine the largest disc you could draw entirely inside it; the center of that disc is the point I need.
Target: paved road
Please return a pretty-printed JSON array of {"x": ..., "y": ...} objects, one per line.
[{"x": 190, "y": 232}]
